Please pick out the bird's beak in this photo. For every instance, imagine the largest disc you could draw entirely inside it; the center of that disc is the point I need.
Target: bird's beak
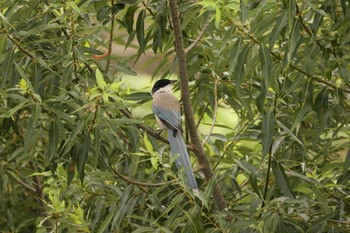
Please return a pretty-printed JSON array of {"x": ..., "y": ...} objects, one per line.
[{"x": 172, "y": 81}]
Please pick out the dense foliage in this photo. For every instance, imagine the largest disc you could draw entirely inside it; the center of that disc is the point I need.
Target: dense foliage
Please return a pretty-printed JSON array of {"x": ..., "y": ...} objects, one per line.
[{"x": 79, "y": 150}]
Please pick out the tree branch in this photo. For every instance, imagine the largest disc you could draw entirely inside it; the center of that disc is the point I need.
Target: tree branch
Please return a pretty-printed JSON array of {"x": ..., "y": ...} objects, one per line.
[
  {"x": 185, "y": 94},
  {"x": 138, "y": 183},
  {"x": 196, "y": 41}
]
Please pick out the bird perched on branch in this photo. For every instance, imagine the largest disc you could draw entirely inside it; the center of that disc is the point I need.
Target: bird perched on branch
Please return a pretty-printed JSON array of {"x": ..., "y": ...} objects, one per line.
[{"x": 166, "y": 107}]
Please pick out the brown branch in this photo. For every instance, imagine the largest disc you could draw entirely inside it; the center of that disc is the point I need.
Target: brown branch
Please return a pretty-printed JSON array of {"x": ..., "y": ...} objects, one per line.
[
  {"x": 110, "y": 37},
  {"x": 309, "y": 32},
  {"x": 24, "y": 184},
  {"x": 185, "y": 94},
  {"x": 39, "y": 189},
  {"x": 138, "y": 183}
]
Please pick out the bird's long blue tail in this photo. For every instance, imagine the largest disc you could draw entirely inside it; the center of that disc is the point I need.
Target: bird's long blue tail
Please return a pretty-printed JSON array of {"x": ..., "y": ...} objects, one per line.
[{"x": 183, "y": 163}]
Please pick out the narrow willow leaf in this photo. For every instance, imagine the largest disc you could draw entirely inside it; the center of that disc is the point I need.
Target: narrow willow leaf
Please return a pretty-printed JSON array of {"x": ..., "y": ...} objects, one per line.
[
  {"x": 320, "y": 105},
  {"x": 290, "y": 133},
  {"x": 107, "y": 219},
  {"x": 140, "y": 97},
  {"x": 281, "y": 22},
  {"x": 254, "y": 183},
  {"x": 227, "y": 37},
  {"x": 306, "y": 107},
  {"x": 7, "y": 68},
  {"x": 235, "y": 53},
  {"x": 99, "y": 79},
  {"x": 249, "y": 168},
  {"x": 243, "y": 14},
  {"x": 217, "y": 17},
  {"x": 74, "y": 6},
  {"x": 346, "y": 163},
  {"x": 13, "y": 110},
  {"x": 239, "y": 68},
  {"x": 267, "y": 132},
  {"x": 129, "y": 18},
  {"x": 102, "y": 13},
  {"x": 148, "y": 144},
  {"x": 54, "y": 135},
  {"x": 315, "y": 8},
  {"x": 82, "y": 156},
  {"x": 277, "y": 143},
  {"x": 140, "y": 30},
  {"x": 295, "y": 40},
  {"x": 291, "y": 13},
  {"x": 97, "y": 146},
  {"x": 282, "y": 179},
  {"x": 195, "y": 221},
  {"x": 133, "y": 135},
  {"x": 266, "y": 63},
  {"x": 70, "y": 140},
  {"x": 125, "y": 69},
  {"x": 322, "y": 199},
  {"x": 32, "y": 123}
]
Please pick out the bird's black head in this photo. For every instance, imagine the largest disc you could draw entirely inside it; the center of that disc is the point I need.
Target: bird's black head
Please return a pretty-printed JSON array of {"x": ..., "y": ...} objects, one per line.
[{"x": 161, "y": 83}]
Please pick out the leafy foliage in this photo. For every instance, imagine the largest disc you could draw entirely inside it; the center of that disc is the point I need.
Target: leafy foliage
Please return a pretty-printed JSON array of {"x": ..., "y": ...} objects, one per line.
[{"x": 75, "y": 158}]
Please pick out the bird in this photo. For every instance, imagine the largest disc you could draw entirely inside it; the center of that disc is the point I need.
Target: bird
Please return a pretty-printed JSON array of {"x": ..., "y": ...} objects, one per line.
[{"x": 167, "y": 110}]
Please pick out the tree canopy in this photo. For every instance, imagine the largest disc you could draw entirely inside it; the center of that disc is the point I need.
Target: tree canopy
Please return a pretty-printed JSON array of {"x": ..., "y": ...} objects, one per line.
[{"x": 80, "y": 150}]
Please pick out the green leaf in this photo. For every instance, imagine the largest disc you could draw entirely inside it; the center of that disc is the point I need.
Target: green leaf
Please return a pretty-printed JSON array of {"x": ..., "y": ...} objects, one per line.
[
  {"x": 291, "y": 14},
  {"x": 346, "y": 163},
  {"x": 74, "y": 6},
  {"x": 295, "y": 40},
  {"x": 99, "y": 79},
  {"x": 129, "y": 18},
  {"x": 281, "y": 22},
  {"x": 235, "y": 53},
  {"x": 249, "y": 168},
  {"x": 54, "y": 135},
  {"x": 125, "y": 69},
  {"x": 266, "y": 63},
  {"x": 32, "y": 123},
  {"x": 83, "y": 154},
  {"x": 13, "y": 110},
  {"x": 239, "y": 68},
  {"x": 195, "y": 221},
  {"x": 267, "y": 132},
  {"x": 140, "y": 97},
  {"x": 140, "y": 30},
  {"x": 217, "y": 17},
  {"x": 102, "y": 13},
  {"x": 306, "y": 102},
  {"x": 282, "y": 179}
]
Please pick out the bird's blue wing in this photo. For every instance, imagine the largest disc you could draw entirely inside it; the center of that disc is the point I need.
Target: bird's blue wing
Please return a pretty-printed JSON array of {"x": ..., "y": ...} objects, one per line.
[{"x": 172, "y": 117}]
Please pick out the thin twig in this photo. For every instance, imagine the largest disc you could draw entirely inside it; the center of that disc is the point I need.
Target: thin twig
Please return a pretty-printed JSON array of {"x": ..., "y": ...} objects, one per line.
[
  {"x": 215, "y": 109},
  {"x": 309, "y": 32},
  {"x": 25, "y": 185},
  {"x": 110, "y": 37},
  {"x": 196, "y": 41},
  {"x": 138, "y": 183}
]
